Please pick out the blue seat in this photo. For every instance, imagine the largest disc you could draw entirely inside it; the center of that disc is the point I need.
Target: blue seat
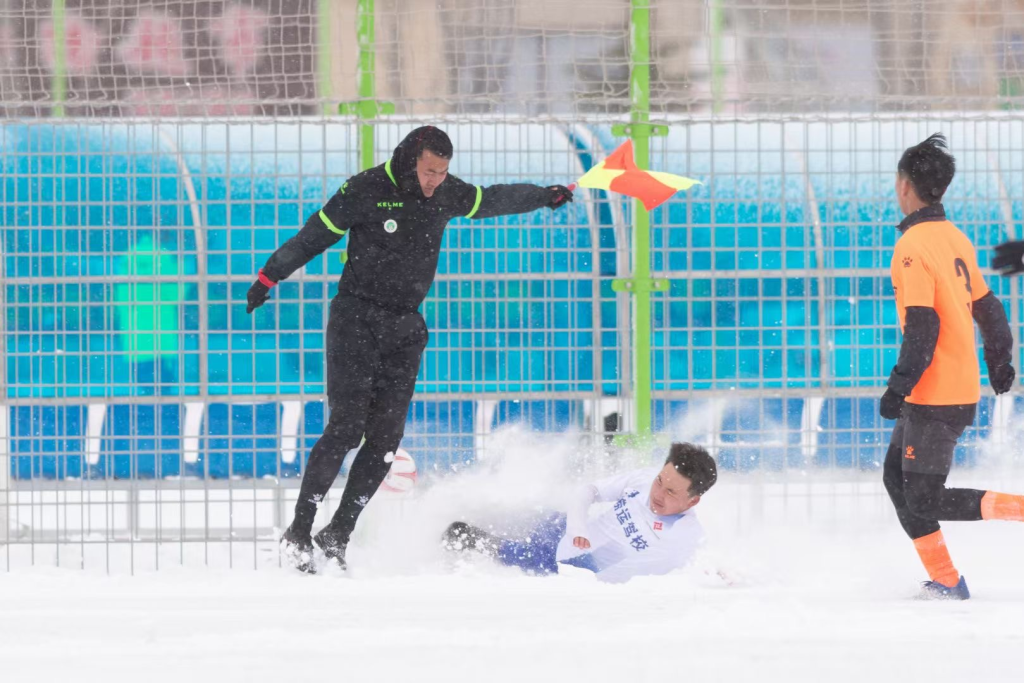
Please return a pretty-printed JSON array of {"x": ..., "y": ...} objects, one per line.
[
  {"x": 140, "y": 442},
  {"x": 439, "y": 434},
  {"x": 540, "y": 415},
  {"x": 46, "y": 442},
  {"x": 852, "y": 434},
  {"x": 749, "y": 433},
  {"x": 241, "y": 441},
  {"x": 761, "y": 434}
]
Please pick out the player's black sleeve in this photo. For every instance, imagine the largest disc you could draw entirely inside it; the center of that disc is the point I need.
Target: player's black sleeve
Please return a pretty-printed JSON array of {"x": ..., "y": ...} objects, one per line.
[
  {"x": 322, "y": 230},
  {"x": 501, "y": 200},
  {"x": 920, "y": 335},
  {"x": 988, "y": 312},
  {"x": 474, "y": 201},
  {"x": 1009, "y": 258}
]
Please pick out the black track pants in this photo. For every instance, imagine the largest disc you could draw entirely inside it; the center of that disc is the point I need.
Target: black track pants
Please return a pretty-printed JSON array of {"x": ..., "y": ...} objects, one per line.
[
  {"x": 373, "y": 356},
  {"x": 917, "y": 463}
]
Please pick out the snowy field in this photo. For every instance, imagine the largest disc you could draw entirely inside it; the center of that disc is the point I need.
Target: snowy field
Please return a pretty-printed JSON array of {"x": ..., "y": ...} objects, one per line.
[{"x": 820, "y": 586}]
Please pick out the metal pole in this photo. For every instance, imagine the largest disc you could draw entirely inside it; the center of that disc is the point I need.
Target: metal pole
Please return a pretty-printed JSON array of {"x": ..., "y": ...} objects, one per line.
[
  {"x": 366, "y": 108},
  {"x": 640, "y": 92},
  {"x": 366, "y": 36},
  {"x": 323, "y": 36},
  {"x": 59, "y": 83},
  {"x": 717, "y": 68}
]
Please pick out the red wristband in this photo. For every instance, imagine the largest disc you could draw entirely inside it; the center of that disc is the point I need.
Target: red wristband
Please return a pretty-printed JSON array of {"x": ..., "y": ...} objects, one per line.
[{"x": 267, "y": 282}]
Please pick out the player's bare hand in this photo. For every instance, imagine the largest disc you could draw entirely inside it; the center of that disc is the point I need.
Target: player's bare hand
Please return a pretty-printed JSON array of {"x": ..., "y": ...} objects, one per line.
[{"x": 581, "y": 543}]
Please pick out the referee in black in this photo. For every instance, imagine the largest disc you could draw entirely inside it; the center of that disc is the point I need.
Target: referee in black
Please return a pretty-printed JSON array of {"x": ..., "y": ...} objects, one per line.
[{"x": 397, "y": 213}]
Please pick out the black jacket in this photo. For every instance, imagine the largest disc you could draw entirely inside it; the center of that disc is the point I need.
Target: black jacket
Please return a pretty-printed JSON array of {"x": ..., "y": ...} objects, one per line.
[{"x": 396, "y": 232}]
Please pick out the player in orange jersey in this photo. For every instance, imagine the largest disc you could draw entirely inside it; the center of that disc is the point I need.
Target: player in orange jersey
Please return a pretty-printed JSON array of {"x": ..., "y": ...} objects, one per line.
[{"x": 934, "y": 389}]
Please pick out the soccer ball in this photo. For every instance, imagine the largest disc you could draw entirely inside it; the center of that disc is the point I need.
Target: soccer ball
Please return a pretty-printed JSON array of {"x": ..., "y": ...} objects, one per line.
[{"x": 402, "y": 475}]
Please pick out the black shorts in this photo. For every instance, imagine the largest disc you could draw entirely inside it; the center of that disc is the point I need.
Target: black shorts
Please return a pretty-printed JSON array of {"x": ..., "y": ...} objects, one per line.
[{"x": 927, "y": 436}]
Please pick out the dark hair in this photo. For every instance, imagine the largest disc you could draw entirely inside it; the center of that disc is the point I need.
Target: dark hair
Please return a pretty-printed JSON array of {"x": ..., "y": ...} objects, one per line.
[
  {"x": 433, "y": 140},
  {"x": 403, "y": 160},
  {"x": 929, "y": 168},
  {"x": 694, "y": 463}
]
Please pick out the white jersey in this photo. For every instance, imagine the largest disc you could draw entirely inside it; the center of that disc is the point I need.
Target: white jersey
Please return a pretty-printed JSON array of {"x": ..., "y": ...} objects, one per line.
[{"x": 628, "y": 539}]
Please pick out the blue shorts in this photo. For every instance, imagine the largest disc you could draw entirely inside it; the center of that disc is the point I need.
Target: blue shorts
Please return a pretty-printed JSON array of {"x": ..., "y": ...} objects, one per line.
[{"x": 535, "y": 552}]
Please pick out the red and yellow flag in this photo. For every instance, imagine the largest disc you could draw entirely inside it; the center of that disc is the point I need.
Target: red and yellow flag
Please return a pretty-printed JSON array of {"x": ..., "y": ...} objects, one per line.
[{"x": 618, "y": 173}]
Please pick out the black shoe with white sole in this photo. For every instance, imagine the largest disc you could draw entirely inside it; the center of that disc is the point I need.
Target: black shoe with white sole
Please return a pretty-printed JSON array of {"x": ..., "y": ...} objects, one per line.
[
  {"x": 461, "y": 536},
  {"x": 297, "y": 551},
  {"x": 333, "y": 545}
]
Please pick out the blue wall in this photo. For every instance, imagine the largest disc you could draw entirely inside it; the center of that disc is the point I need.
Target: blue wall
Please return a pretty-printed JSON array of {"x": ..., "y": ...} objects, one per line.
[{"x": 108, "y": 201}]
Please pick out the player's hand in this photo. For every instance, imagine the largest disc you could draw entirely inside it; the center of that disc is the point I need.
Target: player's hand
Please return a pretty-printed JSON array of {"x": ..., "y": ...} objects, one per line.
[
  {"x": 581, "y": 543},
  {"x": 560, "y": 195},
  {"x": 891, "y": 405},
  {"x": 1001, "y": 378},
  {"x": 257, "y": 296},
  {"x": 1009, "y": 258}
]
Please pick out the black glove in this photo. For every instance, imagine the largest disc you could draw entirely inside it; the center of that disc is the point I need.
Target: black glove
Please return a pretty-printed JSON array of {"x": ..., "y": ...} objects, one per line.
[
  {"x": 1001, "y": 378},
  {"x": 560, "y": 194},
  {"x": 259, "y": 292},
  {"x": 1009, "y": 258},
  {"x": 891, "y": 405}
]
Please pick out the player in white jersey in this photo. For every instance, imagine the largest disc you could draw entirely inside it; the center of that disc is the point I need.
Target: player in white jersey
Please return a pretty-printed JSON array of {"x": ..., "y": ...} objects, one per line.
[{"x": 649, "y": 528}]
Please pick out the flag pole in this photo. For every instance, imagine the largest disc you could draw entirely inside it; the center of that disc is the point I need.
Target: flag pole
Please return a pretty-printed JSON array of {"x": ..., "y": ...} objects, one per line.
[
  {"x": 367, "y": 107},
  {"x": 640, "y": 284},
  {"x": 641, "y": 114}
]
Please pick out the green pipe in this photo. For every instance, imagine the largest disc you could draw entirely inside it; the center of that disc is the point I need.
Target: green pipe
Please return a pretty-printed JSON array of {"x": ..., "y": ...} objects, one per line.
[
  {"x": 367, "y": 71},
  {"x": 324, "y": 54},
  {"x": 59, "y": 83},
  {"x": 640, "y": 93}
]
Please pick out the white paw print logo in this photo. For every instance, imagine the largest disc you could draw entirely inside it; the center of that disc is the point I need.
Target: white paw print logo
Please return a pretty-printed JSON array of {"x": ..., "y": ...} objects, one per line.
[{"x": 390, "y": 225}]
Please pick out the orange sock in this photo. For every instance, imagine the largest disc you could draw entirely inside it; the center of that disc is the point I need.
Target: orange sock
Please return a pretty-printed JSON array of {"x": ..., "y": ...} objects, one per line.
[
  {"x": 1002, "y": 506},
  {"x": 935, "y": 557}
]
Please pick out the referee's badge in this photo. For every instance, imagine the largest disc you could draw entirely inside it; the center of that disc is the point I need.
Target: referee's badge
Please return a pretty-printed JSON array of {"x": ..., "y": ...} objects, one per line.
[{"x": 390, "y": 225}]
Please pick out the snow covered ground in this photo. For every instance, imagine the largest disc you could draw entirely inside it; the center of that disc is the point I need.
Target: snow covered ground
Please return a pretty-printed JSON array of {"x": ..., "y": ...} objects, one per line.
[{"x": 821, "y": 586}]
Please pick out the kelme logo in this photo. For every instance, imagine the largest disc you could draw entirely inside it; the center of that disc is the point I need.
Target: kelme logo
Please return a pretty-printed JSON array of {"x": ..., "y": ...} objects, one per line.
[
  {"x": 390, "y": 225},
  {"x": 390, "y": 205}
]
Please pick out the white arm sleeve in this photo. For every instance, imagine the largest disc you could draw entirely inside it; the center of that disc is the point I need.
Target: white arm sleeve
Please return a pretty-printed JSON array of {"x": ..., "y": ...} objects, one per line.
[
  {"x": 577, "y": 512},
  {"x": 610, "y": 489}
]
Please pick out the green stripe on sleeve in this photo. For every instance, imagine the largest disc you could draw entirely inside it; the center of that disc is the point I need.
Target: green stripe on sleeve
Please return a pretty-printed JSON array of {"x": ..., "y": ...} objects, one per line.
[
  {"x": 329, "y": 224},
  {"x": 476, "y": 204},
  {"x": 387, "y": 168}
]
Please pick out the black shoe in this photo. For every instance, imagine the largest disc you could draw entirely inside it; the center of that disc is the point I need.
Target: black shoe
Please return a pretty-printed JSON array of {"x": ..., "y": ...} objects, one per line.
[
  {"x": 461, "y": 536},
  {"x": 333, "y": 546},
  {"x": 297, "y": 551},
  {"x": 933, "y": 590}
]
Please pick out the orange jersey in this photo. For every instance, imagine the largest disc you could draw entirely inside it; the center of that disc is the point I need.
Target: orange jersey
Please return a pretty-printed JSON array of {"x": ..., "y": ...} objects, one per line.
[{"x": 934, "y": 265}]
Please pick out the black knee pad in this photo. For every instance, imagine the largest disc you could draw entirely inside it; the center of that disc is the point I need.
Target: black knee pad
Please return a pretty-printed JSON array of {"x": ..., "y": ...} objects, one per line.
[
  {"x": 893, "y": 482},
  {"x": 922, "y": 492}
]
